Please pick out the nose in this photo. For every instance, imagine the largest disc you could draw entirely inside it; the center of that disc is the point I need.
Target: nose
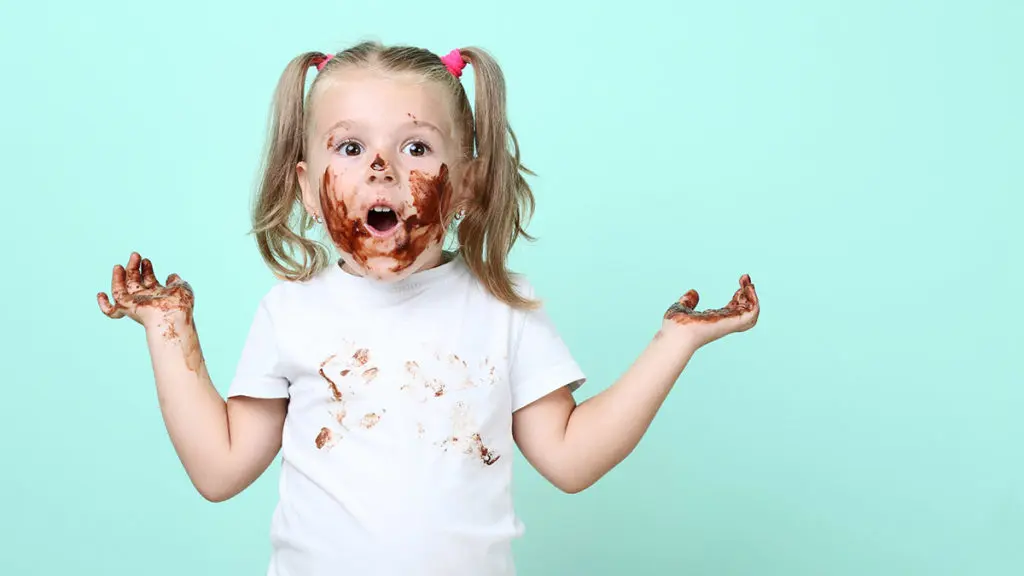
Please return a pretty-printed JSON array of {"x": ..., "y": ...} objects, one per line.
[{"x": 380, "y": 171}]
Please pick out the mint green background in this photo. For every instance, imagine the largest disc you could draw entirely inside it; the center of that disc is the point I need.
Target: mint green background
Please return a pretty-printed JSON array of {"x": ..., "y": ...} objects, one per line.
[{"x": 861, "y": 160}]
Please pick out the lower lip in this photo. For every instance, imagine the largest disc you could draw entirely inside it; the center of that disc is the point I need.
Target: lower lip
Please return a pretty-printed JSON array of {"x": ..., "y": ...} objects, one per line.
[{"x": 382, "y": 234}]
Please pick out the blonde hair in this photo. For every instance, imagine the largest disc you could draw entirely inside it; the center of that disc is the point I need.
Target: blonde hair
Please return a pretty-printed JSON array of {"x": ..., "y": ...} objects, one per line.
[{"x": 499, "y": 200}]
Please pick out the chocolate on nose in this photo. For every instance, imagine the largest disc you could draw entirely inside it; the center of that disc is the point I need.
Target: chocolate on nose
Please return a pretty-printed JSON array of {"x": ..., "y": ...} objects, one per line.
[{"x": 378, "y": 164}]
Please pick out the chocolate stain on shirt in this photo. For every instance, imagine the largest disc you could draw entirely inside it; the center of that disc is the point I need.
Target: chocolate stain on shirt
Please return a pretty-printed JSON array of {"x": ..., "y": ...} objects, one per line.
[
  {"x": 436, "y": 386},
  {"x": 487, "y": 456},
  {"x": 323, "y": 438},
  {"x": 369, "y": 374},
  {"x": 472, "y": 446},
  {"x": 335, "y": 393}
]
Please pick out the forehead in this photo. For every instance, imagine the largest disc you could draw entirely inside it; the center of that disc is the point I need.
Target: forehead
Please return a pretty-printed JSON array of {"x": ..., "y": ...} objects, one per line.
[{"x": 379, "y": 99}]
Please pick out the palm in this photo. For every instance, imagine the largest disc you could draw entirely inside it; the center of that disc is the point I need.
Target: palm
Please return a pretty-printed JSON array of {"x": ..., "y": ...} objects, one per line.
[
  {"x": 139, "y": 295},
  {"x": 738, "y": 315}
]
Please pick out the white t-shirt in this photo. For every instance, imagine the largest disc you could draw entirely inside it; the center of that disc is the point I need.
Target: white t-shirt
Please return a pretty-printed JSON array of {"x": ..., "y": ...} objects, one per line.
[{"x": 397, "y": 450}]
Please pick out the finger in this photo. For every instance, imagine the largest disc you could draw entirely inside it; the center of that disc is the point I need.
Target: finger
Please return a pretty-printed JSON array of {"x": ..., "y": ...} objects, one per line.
[
  {"x": 117, "y": 287},
  {"x": 690, "y": 299},
  {"x": 739, "y": 300},
  {"x": 750, "y": 296},
  {"x": 744, "y": 296},
  {"x": 107, "y": 308},
  {"x": 749, "y": 317},
  {"x": 173, "y": 279},
  {"x": 717, "y": 313},
  {"x": 744, "y": 280},
  {"x": 148, "y": 277},
  {"x": 134, "y": 281}
]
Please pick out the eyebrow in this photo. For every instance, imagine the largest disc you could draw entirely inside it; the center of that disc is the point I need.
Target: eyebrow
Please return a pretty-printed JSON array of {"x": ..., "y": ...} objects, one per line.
[
  {"x": 348, "y": 125},
  {"x": 423, "y": 124}
]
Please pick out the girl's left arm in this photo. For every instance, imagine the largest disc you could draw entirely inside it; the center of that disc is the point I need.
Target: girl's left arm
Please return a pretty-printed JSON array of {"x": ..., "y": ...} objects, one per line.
[{"x": 574, "y": 446}]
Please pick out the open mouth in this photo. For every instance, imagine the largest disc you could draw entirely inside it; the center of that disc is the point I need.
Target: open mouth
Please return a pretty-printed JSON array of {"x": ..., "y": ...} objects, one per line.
[{"x": 381, "y": 220}]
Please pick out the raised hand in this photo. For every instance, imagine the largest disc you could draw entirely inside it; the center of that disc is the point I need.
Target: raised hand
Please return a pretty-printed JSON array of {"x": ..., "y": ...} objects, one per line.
[
  {"x": 164, "y": 310},
  {"x": 706, "y": 326},
  {"x": 140, "y": 296}
]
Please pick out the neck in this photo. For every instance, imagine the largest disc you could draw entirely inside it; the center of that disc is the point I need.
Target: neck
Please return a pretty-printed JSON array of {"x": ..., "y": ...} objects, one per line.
[{"x": 428, "y": 262}]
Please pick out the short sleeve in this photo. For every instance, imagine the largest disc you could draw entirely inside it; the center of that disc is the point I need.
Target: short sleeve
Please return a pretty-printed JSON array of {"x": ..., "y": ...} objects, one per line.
[
  {"x": 258, "y": 373},
  {"x": 540, "y": 362}
]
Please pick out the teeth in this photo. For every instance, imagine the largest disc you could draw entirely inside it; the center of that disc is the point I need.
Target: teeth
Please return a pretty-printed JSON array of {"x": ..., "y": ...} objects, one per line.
[{"x": 380, "y": 209}]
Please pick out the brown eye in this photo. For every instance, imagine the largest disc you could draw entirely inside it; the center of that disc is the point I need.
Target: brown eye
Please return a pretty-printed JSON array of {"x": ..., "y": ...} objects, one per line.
[
  {"x": 348, "y": 148},
  {"x": 417, "y": 149}
]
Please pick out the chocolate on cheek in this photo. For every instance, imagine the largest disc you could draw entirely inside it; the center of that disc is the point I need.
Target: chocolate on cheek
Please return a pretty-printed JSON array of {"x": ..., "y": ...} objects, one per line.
[
  {"x": 348, "y": 233},
  {"x": 431, "y": 196}
]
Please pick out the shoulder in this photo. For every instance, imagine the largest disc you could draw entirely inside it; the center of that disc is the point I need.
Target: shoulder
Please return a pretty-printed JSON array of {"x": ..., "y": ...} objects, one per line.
[
  {"x": 520, "y": 283},
  {"x": 285, "y": 297},
  {"x": 528, "y": 291}
]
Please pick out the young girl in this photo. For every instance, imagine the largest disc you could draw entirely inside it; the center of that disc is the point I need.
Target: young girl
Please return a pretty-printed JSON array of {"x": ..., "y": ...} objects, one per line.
[{"x": 398, "y": 379}]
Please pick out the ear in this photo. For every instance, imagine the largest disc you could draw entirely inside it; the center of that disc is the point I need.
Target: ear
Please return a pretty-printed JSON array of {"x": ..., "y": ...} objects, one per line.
[
  {"x": 310, "y": 200},
  {"x": 463, "y": 187}
]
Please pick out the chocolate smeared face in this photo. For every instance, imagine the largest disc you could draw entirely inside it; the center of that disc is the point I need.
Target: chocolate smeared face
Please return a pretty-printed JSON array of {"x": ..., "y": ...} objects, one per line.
[
  {"x": 382, "y": 160},
  {"x": 385, "y": 236}
]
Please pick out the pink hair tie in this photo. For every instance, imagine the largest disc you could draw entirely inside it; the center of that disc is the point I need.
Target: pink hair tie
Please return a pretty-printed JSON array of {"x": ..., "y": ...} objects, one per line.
[
  {"x": 454, "y": 62},
  {"x": 322, "y": 61}
]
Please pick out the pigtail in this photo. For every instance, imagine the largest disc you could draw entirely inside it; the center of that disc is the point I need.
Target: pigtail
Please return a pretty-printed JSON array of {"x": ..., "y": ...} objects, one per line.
[
  {"x": 500, "y": 200},
  {"x": 279, "y": 190}
]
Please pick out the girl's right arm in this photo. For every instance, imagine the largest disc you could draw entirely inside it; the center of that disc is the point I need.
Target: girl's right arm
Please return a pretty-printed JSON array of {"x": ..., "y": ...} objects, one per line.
[{"x": 223, "y": 445}]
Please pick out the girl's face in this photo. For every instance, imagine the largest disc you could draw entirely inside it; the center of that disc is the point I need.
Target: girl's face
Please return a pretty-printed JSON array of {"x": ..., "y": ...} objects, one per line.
[{"x": 382, "y": 154}]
